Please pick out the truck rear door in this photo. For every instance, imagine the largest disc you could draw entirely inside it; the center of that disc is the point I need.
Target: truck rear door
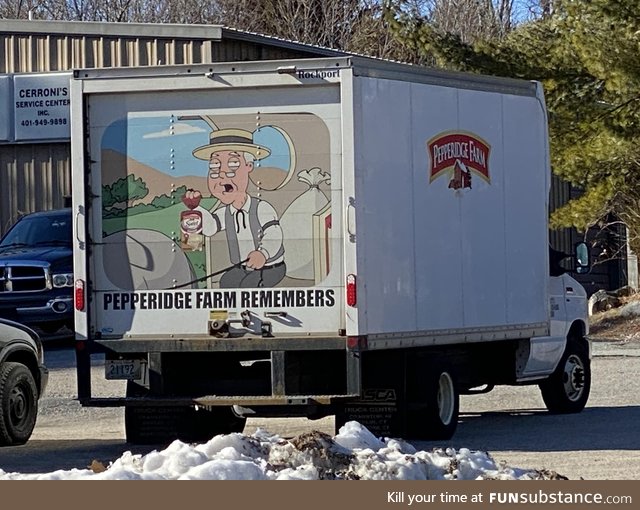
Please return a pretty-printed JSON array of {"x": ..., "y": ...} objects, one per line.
[{"x": 213, "y": 203}]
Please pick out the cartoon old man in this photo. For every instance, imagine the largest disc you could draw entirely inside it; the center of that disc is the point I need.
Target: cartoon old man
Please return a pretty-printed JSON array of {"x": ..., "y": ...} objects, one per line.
[{"x": 251, "y": 224}]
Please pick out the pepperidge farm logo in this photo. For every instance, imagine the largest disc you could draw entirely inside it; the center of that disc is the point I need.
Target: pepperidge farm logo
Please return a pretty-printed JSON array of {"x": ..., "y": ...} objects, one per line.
[{"x": 459, "y": 155}]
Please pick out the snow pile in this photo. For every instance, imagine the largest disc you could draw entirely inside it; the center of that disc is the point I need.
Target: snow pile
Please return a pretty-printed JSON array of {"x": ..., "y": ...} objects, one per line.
[{"x": 353, "y": 454}]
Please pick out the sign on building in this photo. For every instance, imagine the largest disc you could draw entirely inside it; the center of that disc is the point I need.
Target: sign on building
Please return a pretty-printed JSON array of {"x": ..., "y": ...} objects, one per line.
[{"x": 41, "y": 107}]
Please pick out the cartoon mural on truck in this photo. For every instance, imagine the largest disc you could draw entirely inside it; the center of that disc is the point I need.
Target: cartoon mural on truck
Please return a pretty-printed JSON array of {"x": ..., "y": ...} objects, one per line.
[{"x": 216, "y": 201}]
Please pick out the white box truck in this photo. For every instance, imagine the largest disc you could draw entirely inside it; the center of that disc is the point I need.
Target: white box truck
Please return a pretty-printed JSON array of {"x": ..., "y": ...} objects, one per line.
[{"x": 316, "y": 237}]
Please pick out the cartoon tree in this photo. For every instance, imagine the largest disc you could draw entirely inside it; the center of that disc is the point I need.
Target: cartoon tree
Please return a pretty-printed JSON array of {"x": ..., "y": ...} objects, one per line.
[
  {"x": 125, "y": 190},
  {"x": 163, "y": 201}
]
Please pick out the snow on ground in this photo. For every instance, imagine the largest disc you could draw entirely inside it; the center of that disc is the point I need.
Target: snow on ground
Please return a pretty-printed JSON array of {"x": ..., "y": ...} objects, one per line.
[{"x": 354, "y": 453}]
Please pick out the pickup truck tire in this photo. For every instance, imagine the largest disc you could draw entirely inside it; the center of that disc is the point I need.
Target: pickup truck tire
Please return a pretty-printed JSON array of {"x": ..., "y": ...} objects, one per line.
[
  {"x": 437, "y": 417},
  {"x": 18, "y": 404},
  {"x": 567, "y": 389}
]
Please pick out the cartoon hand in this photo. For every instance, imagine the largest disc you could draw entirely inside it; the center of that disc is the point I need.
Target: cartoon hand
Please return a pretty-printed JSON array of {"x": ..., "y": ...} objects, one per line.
[
  {"x": 192, "y": 198},
  {"x": 256, "y": 260}
]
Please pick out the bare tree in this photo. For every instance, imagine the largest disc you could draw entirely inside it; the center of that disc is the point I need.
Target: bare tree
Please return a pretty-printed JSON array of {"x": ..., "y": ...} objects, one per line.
[
  {"x": 158, "y": 11},
  {"x": 351, "y": 25},
  {"x": 324, "y": 22},
  {"x": 23, "y": 9},
  {"x": 473, "y": 19},
  {"x": 535, "y": 9}
]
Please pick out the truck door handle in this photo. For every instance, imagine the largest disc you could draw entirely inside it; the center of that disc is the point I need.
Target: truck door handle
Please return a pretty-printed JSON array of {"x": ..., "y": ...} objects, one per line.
[
  {"x": 351, "y": 219},
  {"x": 79, "y": 212}
]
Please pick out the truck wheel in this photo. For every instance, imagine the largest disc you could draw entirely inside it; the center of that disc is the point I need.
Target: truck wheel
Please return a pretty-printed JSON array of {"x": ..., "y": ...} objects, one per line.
[
  {"x": 437, "y": 418},
  {"x": 18, "y": 404},
  {"x": 567, "y": 389}
]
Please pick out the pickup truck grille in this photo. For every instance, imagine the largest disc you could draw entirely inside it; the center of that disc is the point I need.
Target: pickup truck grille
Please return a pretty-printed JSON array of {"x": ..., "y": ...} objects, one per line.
[{"x": 24, "y": 278}]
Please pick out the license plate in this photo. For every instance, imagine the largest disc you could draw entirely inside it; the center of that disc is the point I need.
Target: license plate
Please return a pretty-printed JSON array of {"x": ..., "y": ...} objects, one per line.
[{"x": 123, "y": 369}]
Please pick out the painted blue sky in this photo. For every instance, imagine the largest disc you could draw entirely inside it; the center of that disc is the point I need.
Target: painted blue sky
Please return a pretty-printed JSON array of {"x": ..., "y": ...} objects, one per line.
[{"x": 166, "y": 143}]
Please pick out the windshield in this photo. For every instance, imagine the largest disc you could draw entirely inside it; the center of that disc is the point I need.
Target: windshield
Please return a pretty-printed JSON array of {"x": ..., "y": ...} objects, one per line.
[{"x": 39, "y": 230}]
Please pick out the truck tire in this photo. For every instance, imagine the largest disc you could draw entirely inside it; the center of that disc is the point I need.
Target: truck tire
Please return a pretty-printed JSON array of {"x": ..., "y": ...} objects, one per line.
[
  {"x": 567, "y": 389},
  {"x": 437, "y": 417},
  {"x": 18, "y": 404}
]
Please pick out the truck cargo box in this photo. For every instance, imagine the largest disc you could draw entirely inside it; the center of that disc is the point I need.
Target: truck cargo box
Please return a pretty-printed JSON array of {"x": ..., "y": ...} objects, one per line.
[{"x": 426, "y": 191}]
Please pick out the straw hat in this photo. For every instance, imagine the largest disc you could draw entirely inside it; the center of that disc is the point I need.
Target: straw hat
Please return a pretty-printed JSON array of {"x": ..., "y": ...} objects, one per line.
[{"x": 238, "y": 140}]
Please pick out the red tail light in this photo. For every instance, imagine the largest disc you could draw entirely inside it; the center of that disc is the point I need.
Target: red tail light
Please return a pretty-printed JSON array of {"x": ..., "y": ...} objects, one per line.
[
  {"x": 79, "y": 295},
  {"x": 352, "y": 297}
]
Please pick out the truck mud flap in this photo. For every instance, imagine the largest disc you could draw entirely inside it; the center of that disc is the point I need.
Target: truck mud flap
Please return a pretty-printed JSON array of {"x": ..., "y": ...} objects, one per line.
[
  {"x": 381, "y": 404},
  {"x": 163, "y": 424},
  {"x": 378, "y": 410},
  {"x": 154, "y": 424}
]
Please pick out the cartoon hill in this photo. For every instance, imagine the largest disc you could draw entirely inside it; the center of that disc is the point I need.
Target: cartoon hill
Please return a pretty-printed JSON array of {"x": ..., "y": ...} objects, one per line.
[{"x": 116, "y": 165}]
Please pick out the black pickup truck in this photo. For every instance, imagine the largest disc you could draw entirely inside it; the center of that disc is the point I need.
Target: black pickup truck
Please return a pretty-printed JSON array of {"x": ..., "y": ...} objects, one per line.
[{"x": 36, "y": 271}]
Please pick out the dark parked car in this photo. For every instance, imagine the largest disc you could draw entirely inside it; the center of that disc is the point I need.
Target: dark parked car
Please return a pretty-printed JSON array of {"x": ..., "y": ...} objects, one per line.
[
  {"x": 23, "y": 379},
  {"x": 36, "y": 271}
]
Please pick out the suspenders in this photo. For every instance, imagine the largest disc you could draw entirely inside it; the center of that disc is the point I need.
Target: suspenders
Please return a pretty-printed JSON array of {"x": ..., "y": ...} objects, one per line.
[{"x": 257, "y": 231}]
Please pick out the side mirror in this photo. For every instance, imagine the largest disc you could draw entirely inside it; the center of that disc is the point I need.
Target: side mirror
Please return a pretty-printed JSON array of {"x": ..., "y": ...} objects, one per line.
[{"x": 582, "y": 258}]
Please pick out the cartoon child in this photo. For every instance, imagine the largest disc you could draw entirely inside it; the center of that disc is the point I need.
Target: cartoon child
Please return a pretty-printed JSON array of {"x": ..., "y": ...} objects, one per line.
[{"x": 251, "y": 225}]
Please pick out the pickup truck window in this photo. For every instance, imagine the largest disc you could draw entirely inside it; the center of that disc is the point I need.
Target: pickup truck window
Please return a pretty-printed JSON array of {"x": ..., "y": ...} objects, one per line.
[{"x": 39, "y": 231}]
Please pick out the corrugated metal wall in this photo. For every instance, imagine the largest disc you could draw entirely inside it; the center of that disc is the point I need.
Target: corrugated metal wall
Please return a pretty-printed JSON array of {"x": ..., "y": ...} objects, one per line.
[
  {"x": 36, "y": 176},
  {"x": 33, "y": 177},
  {"x": 609, "y": 274},
  {"x": 24, "y": 53}
]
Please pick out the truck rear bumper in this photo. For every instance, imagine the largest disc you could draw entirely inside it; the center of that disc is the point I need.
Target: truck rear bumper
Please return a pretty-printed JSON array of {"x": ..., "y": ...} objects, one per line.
[{"x": 206, "y": 344}]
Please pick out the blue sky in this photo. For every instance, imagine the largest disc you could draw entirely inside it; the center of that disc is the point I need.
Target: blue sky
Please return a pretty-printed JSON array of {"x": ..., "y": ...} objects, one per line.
[{"x": 166, "y": 143}]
